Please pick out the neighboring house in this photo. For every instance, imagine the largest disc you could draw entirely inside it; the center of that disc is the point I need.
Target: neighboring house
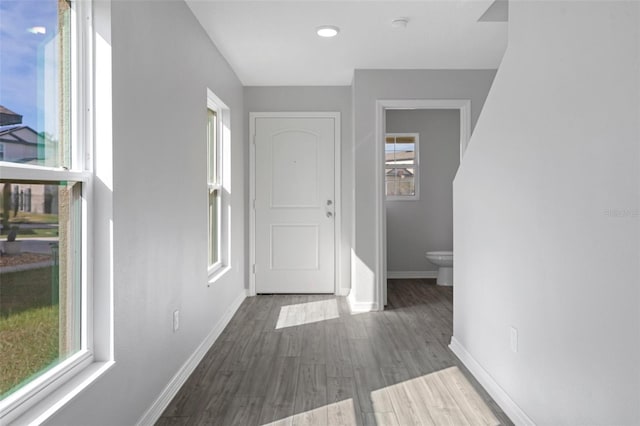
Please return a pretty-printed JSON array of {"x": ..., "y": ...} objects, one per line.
[
  {"x": 18, "y": 144},
  {"x": 34, "y": 198},
  {"x": 8, "y": 117}
]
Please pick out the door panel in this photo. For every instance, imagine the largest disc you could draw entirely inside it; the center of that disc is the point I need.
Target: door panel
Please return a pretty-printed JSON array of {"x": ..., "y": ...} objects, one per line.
[{"x": 294, "y": 215}]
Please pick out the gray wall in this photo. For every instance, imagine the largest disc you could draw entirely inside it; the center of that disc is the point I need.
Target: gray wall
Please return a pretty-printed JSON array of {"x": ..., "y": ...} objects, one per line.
[
  {"x": 368, "y": 86},
  {"x": 162, "y": 64},
  {"x": 417, "y": 226},
  {"x": 546, "y": 225},
  {"x": 305, "y": 99}
]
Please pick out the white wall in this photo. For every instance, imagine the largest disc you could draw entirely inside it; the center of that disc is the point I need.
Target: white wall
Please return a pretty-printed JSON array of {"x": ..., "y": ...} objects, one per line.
[
  {"x": 426, "y": 224},
  {"x": 305, "y": 99},
  {"x": 546, "y": 223},
  {"x": 163, "y": 63},
  {"x": 368, "y": 86}
]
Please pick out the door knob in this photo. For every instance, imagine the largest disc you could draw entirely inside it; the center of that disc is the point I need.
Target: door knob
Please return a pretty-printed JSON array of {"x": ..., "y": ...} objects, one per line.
[
  {"x": 329, "y": 202},
  {"x": 329, "y": 214}
]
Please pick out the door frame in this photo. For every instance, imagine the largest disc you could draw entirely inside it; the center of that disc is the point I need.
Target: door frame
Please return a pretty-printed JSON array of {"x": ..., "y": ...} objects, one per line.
[
  {"x": 337, "y": 240},
  {"x": 382, "y": 105}
]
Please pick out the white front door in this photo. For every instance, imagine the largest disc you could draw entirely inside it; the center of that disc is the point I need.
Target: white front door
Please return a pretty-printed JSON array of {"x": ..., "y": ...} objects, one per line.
[{"x": 294, "y": 204}]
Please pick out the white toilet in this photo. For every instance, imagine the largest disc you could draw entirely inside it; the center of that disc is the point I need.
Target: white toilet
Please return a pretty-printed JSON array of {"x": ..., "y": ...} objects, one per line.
[{"x": 444, "y": 261}]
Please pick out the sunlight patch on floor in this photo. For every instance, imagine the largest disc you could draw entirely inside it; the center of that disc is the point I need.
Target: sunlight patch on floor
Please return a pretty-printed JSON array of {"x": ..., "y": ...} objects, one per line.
[
  {"x": 337, "y": 413},
  {"x": 307, "y": 313},
  {"x": 441, "y": 397}
]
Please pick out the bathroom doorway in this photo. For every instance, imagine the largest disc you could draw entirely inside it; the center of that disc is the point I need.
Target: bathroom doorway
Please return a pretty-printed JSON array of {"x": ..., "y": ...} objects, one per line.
[{"x": 418, "y": 215}]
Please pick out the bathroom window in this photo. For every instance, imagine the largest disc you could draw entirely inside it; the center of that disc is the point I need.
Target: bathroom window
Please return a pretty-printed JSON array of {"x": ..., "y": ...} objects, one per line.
[{"x": 402, "y": 176}]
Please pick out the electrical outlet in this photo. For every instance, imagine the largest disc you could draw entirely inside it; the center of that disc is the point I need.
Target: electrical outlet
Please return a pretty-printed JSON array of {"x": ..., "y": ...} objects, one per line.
[
  {"x": 514, "y": 340},
  {"x": 176, "y": 320}
]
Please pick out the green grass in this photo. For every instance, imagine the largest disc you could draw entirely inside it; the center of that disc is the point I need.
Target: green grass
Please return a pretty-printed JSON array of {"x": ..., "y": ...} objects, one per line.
[
  {"x": 29, "y": 326},
  {"x": 24, "y": 290},
  {"x": 24, "y": 217},
  {"x": 37, "y": 232},
  {"x": 29, "y": 345}
]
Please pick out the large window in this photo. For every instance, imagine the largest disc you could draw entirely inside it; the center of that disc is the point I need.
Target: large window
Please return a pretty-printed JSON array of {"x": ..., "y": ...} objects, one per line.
[
  {"x": 402, "y": 178},
  {"x": 44, "y": 204},
  {"x": 218, "y": 185}
]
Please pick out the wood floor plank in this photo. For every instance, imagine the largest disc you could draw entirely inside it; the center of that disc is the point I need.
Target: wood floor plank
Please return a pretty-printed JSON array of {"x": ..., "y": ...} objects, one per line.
[
  {"x": 279, "y": 402},
  {"x": 362, "y": 353},
  {"x": 373, "y": 396},
  {"x": 467, "y": 399},
  {"x": 339, "y": 362},
  {"x": 189, "y": 400},
  {"x": 306, "y": 359},
  {"x": 311, "y": 396},
  {"x": 343, "y": 403},
  {"x": 173, "y": 421},
  {"x": 244, "y": 411},
  {"x": 217, "y": 398},
  {"x": 380, "y": 419},
  {"x": 314, "y": 344},
  {"x": 408, "y": 412}
]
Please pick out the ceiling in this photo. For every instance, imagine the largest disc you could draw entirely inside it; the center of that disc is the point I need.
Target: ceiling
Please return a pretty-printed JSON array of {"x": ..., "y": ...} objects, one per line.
[{"x": 274, "y": 43}]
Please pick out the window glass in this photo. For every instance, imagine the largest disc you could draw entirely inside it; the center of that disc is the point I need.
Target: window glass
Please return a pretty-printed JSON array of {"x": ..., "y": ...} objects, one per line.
[
  {"x": 212, "y": 142},
  {"x": 214, "y": 186},
  {"x": 401, "y": 164},
  {"x": 41, "y": 210},
  {"x": 39, "y": 278},
  {"x": 35, "y": 82}
]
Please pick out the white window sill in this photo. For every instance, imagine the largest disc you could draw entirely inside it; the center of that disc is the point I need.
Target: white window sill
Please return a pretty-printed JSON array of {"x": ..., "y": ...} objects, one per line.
[
  {"x": 407, "y": 198},
  {"x": 42, "y": 410},
  {"x": 217, "y": 274}
]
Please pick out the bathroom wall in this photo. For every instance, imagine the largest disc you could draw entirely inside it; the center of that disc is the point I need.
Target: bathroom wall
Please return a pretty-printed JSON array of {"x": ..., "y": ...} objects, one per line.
[
  {"x": 417, "y": 226},
  {"x": 546, "y": 217},
  {"x": 369, "y": 86},
  {"x": 305, "y": 99}
]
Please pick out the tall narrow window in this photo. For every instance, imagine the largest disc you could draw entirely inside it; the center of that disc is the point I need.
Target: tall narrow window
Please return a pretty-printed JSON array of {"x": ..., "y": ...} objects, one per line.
[
  {"x": 214, "y": 187},
  {"x": 402, "y": 178},
  {"x": 43, "y": 204}
]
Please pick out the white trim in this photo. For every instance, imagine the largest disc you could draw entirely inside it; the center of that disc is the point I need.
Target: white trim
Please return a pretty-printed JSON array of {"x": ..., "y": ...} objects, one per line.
[
  {"x": 153, "y": 413},
  {"x": 399, "y": 275},
  {"x": 361, "y": 307},
  {"x": 343, "y": 291},
  {"x": 222, "y": 184},
  {"x": 90, "y": 112},
  {"x": 24, "y": 399},
  {"x": 380, "y": 217},
  {"x": 16, "y": 171},
  {"x": 337, "y": 201},
  {"x": 498, "y": 394}
]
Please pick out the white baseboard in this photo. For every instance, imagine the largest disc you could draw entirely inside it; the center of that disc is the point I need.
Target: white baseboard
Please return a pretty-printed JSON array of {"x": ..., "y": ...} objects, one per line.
[
  {"x": 403, "y": 275},
  {"x": 498, "y": 394},
  {"x": 343, "y": 291},
  {"x": 151, "y": 416},
  {"x": 359, "y": 307}
]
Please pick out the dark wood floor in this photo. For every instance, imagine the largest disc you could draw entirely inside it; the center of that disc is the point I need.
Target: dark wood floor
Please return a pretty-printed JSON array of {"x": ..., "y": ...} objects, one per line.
[{"x": 291, "y": 360}]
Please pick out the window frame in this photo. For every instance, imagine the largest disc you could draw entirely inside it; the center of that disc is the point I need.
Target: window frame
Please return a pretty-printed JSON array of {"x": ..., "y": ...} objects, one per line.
[
  {"x": 214, "y": 184},
  {"x": 42, "y": 396},
  {"x": 222, "y": 183},
  {"x": 416, "y": 167}
]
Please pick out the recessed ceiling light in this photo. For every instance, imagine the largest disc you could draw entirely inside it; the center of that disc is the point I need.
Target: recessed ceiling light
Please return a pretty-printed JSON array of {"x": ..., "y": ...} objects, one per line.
[
  {"x": 327, "y": 31},
  {"x": 400, "y": 23}
]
